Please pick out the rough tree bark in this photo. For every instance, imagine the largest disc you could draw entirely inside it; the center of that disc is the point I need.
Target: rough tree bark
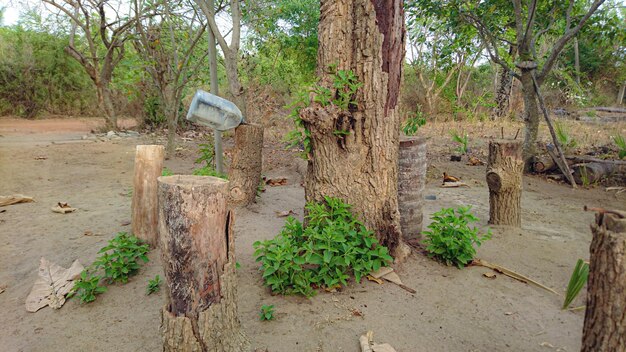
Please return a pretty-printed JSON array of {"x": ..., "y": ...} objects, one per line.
[
  {"x": 411, "y": 182},
  {"x": 503, "y": 94},
  {"x": 197, "y": 250},
  {"x": 504, "y": 178},
  {"x": 245, "y": 169},
  {"x": 144, "y": 210},
  {"x": 605, "y": 315},
  {"x": 360, "y": 165},
  {"x": 531, "y": 119}
]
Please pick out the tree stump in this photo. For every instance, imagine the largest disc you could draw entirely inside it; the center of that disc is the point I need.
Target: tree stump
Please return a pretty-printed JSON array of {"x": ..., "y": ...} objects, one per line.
[
  {"x": 504, "y": 178},
  {"x": 245, "y": 169},
  {"x": 605, "y": 315},
  {"x": 411, "y": 182},
  {"x": 197, "y": 250},
  {"x": 144, "y": 212}
]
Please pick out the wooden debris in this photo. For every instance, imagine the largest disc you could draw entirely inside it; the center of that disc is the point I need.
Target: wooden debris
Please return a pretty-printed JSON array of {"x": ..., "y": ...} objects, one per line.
[
  {"x": 274, "y": 182},
  {"x": 511, "y": 274},
  {"x": 282, "y": 214},
  {"x": 450, "y": 178},
  {"x": 474, "y": 161},
  {"x": 454, "y": 185},
  {"x": 63, "y": 208}
]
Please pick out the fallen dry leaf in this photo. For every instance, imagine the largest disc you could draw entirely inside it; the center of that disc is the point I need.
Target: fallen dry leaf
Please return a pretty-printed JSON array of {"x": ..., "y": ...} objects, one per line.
[
  {"x": 125, "y": 223},
  {"x": 356, "y": 312},
  {"x": 371, "y": 278},
  {"x": 282, "y": 214},
  {"x": 15, "y": 199},
  {"x": 2, "y": 288},
  {"x": 41, "y": 157},
  {"x": 273, "y": 182},
  {"x": 53, "y": 283},
  {"x": 490, "y": 275},
  {"x": 474, "y": 161},
  {"x": 63, "y": 208}
]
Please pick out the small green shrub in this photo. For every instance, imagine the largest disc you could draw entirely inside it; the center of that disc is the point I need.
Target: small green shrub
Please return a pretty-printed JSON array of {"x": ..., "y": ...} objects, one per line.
[
  {"x": 576, "y": 282},
  {"x": 166, "y": 172},
  {"x": 207, "y": 155},
  {"x": 414, "y": 122},
  {"x": 120, "y": 258},
  {"x": 325, "y": 253},
  {"x": 154, "y": 285},
  {"x": 87, "y": 287},
  {"x": 450, "y": 238},
  {"x": 461, "y": 140},
  {"x": 562, "y": 134},
  {"x": 620, "y": 142},
  {"x": 267, "y": 312}
]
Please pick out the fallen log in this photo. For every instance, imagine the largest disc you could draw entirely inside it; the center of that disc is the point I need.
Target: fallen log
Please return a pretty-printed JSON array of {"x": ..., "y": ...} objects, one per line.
[
  {"x": 586, "y": 174},
  {"x": 544, "y": 164}
]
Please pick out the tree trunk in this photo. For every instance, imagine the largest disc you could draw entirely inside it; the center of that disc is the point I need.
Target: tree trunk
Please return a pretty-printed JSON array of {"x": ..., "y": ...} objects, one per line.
[
  {"x": 531, "y": 119},
  {"x": 197, "y": 250},
  {"x": 144, "y": 210},
  {"x": 170, "y": 111},
  {"x": 360, "y": 165},
  {"x": 503, "y": 94},
  {"x": 504, "y": 178},
  {"x": 576, "y": 61},
  {"x": 544, "y": 164},
  {"x": 245, "y": 169},
  {"x": 620, "y": 95},
  {"x": 605, "y": 315},
  {"x": 106, "y": 106},
  {"x": 589, "y": 173},
  {"x": 234, "y": 84},
  {"x": 411, "y": 181}
]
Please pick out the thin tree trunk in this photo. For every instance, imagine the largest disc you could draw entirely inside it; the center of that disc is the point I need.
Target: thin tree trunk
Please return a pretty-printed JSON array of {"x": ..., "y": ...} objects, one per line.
[
  {"x": 106, "y": 106},
  {"x": 531, "y": 119},
  {"x": 620, "y": 95},
  {"x": 576, "y": 61},
  {"x": 360, "y": 165},
  {"x": 503, "y": 94},
  {"x": 605, "y": 315},
  {"x": 234, "y": 84}
]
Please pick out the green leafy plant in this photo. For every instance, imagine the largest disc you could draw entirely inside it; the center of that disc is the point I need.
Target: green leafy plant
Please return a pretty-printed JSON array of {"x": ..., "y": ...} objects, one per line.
[
  {"x": 120, "y": 258},
  {"x": 346, "y": 83},
  {"x": 299, "y": 137},
  {"x": 562, "y": 134},
  {"x": 166, "y": 172},
  {"x": 620, "y": 141},
  {"x": 576, "y": 282},
  {"x": 462, "y": 140},
  {"x": 450, "y": 238},
  {"x": 87, "y": 287},
  {"x": 267, "y": 312},
  {"x": 207, "y": 155},
  {"x": 154, "y": 285},
  {"x": 324, "y": 254},
  {"x": 414, "y": 122}
]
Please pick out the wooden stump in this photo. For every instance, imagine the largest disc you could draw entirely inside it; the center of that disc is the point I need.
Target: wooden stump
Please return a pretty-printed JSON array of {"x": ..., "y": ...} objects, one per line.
[
  {"x": 144, "y": 212},
  {"x": 245, "y": 169},
  {"x": 605, "y": 315},
  {"x": 504, "y": 178},
  {"x": 197, "y": 250},
  {"x": 411, "y": 182}
]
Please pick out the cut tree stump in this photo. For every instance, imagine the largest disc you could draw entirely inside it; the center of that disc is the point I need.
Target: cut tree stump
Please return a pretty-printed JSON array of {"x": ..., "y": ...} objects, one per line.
[
  {"x": 197, "y": 250},
  {"x": 144, "y": 212},
  {"x": 411, "y": 182},
  {"x": 505, "y": 166},
  {"x": 245, "y": 169},
  {"x": 586, "y": 174},
  {"x": 605, "y": 315}
]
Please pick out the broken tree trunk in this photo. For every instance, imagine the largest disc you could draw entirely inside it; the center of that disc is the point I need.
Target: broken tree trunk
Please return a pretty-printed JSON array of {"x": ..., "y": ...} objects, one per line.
[
  {"x": 245, "y": 169},
  {"x": 144, "y": 212},
  {"x": 411, "y": 182},
  {"x": 197, "y": 250},
  {"x": 504, "y": 178},
  {"x": 544, "y": 164},
  {"x": 586, "y": 174},
  {"x": 605, "y": 315}
]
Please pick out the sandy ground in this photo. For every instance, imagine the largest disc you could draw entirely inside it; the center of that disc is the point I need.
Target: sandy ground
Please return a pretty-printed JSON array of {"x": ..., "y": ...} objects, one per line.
[{"x": 453, "y": 310}]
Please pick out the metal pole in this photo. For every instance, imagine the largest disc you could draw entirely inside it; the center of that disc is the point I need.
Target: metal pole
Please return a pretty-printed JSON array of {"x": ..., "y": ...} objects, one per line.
[{"x": 217, "y": 135}]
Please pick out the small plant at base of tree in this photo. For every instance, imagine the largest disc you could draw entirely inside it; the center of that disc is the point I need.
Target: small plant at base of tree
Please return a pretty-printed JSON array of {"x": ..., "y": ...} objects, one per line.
[
  {"x": 576, "y": 282},
  {"x": 333, "y": 246},
  {"x": 166, "y": 172},
  {"x": 463, "y": 141},
  {"x": 120, "y": 258},
  {"x": 154, "y": 285},
  {"x": 267, "y": 312},
  {"x": 413, "y": 123},
  {"x": 450, "y": 238},
  {"x": 620, "y": 142},
  {"x": 563, "y": 136},
  {"x": 87, "y": 287}
]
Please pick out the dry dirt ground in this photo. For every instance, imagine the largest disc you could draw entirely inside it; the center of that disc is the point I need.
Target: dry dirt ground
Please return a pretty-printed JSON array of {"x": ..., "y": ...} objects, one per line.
[{"x": 453, "y": 310}]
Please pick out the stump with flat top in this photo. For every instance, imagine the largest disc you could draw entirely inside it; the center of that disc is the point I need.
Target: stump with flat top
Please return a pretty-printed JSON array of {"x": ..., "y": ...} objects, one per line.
[
  {"x": 504, "y": 178},
  {"x": 605, "y": 315},
  {"x": 411, "y": 182},
  {"x": 245, "y": 168},
  {"x": 144, "y": 212},
  {"x": 197, "y": 250}
]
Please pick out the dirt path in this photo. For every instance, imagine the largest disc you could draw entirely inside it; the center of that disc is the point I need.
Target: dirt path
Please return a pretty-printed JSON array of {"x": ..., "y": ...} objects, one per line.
[{"x": 453, "y": 310}]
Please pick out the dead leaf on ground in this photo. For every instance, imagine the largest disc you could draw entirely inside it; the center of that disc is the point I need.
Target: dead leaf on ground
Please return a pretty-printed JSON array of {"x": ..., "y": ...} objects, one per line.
[
  {"x": 89, "y": 233},
  {"x": 371, "y": 278},
  {"x": 41, "y": 157},
  {"x": 63, "y": 208},
  {"x": 273, "y": 182},
  {"x": 282, "y": 214},
  {"x": 3, "y": 211},
  {"x": 490, "y": 275},
  {"x": 474, "y": 161},
  {"x": 449, "y": 178},
  {"x": 15, "y": 199},
  {"x": 356, "y": 312},
  {"x": 2, "y": 288},
  {"x": 125, "y": 223},
  {"x": 53, "y": 283}
]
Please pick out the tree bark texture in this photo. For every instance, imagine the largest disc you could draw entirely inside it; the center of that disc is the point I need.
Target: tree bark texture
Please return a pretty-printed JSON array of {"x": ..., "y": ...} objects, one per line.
[
  {"x": 197, "y": 250},
  {"x": 359, "y": 165},
  {"x": 504, "y": 178},
  {"x": 411, "y": 181},
  {"x": 144, "y": 206},
  {"x": 503, "y": 94},
  {"x": 245, "y": 169},
  {"x": 605, "y": 315},
  {"x": 531, "y": 119}
]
